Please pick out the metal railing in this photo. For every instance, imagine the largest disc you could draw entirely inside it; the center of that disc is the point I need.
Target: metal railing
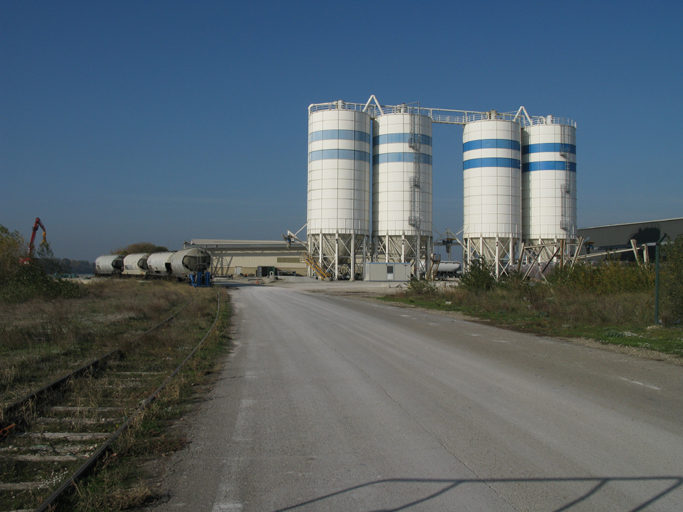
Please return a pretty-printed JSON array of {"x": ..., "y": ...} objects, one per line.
[{"x": 440, "y": 115}]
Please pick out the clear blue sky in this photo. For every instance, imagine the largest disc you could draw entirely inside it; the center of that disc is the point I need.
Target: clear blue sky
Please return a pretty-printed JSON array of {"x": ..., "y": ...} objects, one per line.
[{"x": 163, "y": 121}]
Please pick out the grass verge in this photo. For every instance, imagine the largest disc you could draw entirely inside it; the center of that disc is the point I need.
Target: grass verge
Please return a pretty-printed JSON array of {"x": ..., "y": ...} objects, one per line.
[{"x": 623, "y": 318}]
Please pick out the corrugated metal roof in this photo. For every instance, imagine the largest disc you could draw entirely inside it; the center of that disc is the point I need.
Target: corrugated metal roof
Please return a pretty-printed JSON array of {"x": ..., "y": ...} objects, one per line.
[
  {"x": 209, "y": 241},
  {"x": 245, "y": 245},
  {"x": 620, "y": 235},
  {"x": 633, "y": 223}
]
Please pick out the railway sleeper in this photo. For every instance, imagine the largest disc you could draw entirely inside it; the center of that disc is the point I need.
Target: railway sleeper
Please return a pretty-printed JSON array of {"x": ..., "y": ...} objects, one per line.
[
  {"x": 48, "y": 458},
  {"x": 54, "y": 449},
  {"x": 67, "y": 408},
  {"x": 80, "y": 421},
  {"x": 23, "y": 486},
  {"x": 69, "y": 436}
]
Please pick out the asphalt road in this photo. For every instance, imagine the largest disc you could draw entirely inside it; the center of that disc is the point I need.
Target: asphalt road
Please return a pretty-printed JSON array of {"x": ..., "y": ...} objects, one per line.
[{"x": 339, "y": 404}]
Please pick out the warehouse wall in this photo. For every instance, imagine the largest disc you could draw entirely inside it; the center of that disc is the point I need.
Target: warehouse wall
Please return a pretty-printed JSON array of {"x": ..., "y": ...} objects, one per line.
[{"x": 224, "y": 262}]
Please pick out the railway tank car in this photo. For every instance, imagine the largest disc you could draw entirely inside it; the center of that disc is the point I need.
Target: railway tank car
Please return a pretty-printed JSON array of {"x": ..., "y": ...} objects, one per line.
[
  {"x": 159, "y": 264},
  {"x": 135, "y": 264},
  {"x": 109, "y": 264},
  {"x": 187, "y": 261},
  {"x": 178, "y": 264}
]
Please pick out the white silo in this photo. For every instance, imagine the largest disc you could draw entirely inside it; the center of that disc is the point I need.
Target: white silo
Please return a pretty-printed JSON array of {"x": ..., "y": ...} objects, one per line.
[
  {"x": 492, "y": 223},
  {"x": 339, "y": 149},
  {"x": 549, "y": 181},
  {"x": 402, "y": 187}
]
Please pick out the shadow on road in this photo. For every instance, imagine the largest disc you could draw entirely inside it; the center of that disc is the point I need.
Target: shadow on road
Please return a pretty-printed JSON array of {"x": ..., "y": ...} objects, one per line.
[
  {"x": 237, "y": 284},
  {"x": 449, "y": 485}
]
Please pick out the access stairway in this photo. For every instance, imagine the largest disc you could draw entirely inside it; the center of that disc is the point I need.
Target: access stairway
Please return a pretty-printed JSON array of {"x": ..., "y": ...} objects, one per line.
[{"x": 313, "y": 265}]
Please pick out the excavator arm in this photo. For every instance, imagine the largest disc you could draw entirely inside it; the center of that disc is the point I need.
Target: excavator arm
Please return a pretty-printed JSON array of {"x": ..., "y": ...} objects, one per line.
[{"x": 31, "y": 246}]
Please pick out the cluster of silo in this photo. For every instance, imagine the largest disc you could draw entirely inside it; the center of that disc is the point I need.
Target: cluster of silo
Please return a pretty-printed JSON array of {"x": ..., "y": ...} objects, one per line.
[
  {"x": 343, "y": 159},
  {"x": 519, "y": 179},
  {"x": 519, "y": 186}
]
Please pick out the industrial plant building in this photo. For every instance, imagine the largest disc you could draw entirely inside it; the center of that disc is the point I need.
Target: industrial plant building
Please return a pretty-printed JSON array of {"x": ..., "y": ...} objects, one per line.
[
  {"x": 235, "y": 257},
  {"x": 618, "y": 236}
]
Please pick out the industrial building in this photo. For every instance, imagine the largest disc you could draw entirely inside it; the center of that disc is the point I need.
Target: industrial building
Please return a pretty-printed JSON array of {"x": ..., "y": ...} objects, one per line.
[
  {"x": 615, "y": 237},
  {"x": 235, "y": 257},
  {"x": 519, "y": 177}
]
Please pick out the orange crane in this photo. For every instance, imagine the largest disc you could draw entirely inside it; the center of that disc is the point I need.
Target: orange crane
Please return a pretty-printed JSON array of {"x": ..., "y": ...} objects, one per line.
[{"x": 31, "y": 247}]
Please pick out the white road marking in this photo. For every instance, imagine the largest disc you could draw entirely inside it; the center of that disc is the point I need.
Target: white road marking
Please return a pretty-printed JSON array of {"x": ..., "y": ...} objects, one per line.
[
  {"x": 242, "y": 422},
  {"x": 220, "y": 507},
  {"x": 640, "y": 383}
]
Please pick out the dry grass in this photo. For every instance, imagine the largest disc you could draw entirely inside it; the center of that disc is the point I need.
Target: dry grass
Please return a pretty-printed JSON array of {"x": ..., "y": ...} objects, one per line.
[
  {"x": 39, "y": 340},
  {"x": 63, "y": 335}
]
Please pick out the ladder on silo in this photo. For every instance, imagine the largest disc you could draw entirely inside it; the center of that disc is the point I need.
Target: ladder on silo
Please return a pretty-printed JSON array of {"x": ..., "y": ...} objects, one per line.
[
  {"x": 566, "y": 188},
  {"x": 415, "y": 187}
]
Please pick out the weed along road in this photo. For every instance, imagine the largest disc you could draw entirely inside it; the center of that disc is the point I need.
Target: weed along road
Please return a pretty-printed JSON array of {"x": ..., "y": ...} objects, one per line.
[{"x": 335, "y": 403}]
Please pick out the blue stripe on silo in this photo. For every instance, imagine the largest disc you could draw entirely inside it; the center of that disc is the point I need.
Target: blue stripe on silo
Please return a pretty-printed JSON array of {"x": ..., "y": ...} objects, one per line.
[
  {"x": 339, "y": 154},
  {"x": 399, "y": 138},
  {"x": 474, "y": 163},
  {"x": 338, "y": 135},
  {"x": 553, "y": 165},
  {"x": 386, "y": 158},
  {"x": 549, "y": 147},
  {"x": 491, "y": 144}
]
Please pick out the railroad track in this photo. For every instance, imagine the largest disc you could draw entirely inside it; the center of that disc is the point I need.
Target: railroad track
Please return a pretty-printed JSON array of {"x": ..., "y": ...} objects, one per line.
[{"x": 53, "y": 437}]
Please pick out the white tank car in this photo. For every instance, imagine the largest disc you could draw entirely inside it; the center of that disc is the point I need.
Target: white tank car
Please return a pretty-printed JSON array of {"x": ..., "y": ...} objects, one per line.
[
  {"x": 184, "y": 262},
  {"x": 108, "y": 264},
  {"x": 135, "y": 264},
  {"x": 159, "y": 263}
]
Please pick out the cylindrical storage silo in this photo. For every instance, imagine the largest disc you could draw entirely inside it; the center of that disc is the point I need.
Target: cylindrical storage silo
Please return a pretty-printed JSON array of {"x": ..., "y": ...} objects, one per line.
[
  {"x": 549, "y": 181},
  {"x": 338, "y": 229},
  {"x": 402, "y": 187},
  {"x": 492, "y": 223}
]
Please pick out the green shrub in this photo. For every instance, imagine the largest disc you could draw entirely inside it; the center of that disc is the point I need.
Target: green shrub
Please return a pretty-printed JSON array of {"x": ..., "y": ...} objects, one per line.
[
  {"x": 672, "y": 280},
  {"x": 12, "y": 249},
  {"x": 608, "y": 278},
  {"x": 478, "y": 277},
  {"x": 421, "y": 288},
  {"x": 31, "y": 281}
]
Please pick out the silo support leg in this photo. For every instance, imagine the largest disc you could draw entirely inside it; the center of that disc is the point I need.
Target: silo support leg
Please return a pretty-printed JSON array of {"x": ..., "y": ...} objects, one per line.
[
  {"x": 497, "y": 258},
  {"x": 353, "y": 257},
  {"x": 336, "y": 257}
]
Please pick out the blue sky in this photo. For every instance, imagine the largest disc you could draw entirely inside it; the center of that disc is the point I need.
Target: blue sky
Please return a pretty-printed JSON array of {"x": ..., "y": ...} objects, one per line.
[{"x": 163, "y": 121}]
